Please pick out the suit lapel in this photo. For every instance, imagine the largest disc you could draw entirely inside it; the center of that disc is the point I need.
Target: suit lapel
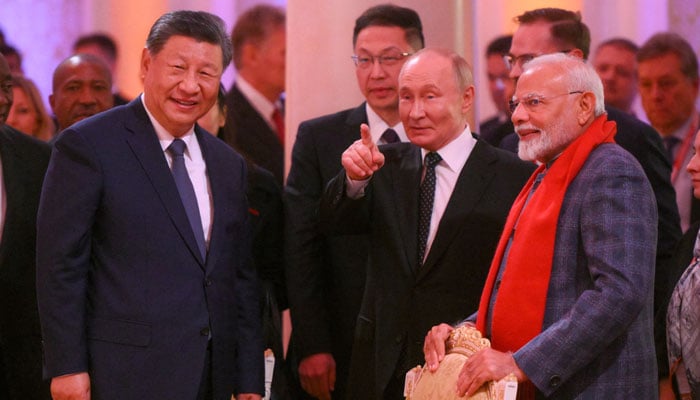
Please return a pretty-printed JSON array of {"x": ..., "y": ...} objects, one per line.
[
  {"x": 405, "y": 180},
  {"x": 146, "y": 147},
  {"x": 475, "y": 177}
]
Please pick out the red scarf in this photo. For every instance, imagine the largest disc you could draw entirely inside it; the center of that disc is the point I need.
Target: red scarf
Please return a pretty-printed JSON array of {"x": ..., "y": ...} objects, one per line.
[{"x": 519, "y": 308}]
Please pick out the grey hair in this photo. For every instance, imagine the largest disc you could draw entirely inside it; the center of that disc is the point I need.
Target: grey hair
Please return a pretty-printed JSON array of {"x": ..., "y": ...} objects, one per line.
[{"x": 577, "y": 75}]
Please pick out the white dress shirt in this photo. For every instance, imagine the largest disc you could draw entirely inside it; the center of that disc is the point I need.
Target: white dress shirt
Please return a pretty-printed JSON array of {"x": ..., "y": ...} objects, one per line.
[
  {"x": 377, "y": 126},
  {"x": 196, "y": 169},
  {"x": 260, "y": 103}
]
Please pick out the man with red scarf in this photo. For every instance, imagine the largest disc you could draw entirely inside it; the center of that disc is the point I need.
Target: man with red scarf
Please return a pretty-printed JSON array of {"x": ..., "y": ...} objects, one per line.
[{"x": 568, "y": 301}]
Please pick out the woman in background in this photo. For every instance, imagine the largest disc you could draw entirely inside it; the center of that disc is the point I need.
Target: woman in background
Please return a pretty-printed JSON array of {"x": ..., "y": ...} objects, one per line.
[{"x": 28, "y": 113}]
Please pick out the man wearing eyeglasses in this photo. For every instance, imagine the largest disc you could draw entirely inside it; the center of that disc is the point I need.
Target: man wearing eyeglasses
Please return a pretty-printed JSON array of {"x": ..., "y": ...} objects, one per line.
[
  {"x": 552, "y": 30},
  {"x": 326, "y": 275},
  {"x": 568, "y": 303}
]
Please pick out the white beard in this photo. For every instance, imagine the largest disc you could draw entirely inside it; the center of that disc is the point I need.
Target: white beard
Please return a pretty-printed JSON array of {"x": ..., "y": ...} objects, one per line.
[{"x": 551, "y": 141}]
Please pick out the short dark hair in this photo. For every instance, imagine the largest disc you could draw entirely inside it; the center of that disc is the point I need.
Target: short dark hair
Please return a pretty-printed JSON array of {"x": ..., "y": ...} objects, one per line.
[
  {"x": 499, "y": 46},
  {"x": 567, "y": 28},
  {"x": 199, "y": 25},
  {"x": 101, "y": 40},
  {"x": 620, "y": 42},
  {"x": 667, "y": 42},
  {"x": 391, "y": 15},
  {"x": 255, "y": 25}
]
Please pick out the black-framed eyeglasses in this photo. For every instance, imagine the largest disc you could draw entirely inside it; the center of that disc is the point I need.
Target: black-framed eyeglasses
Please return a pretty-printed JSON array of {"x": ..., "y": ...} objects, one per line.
[
  {"x": 533, "y": 102},
  {"x": 512, "y": 61},
  {"x": 388, "y": 59}
]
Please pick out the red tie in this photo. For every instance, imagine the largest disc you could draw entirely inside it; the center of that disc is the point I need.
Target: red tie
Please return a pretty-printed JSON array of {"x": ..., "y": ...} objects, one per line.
[{"x": 278, "y": 119}]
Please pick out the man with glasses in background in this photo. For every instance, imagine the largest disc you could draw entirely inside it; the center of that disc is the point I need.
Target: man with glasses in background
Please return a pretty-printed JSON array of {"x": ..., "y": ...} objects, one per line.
[{"x": 326, "y": 275}]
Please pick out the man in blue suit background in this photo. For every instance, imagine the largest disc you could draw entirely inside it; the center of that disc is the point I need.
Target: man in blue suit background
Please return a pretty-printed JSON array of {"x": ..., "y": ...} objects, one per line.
[{"x": 145, "y": 285}]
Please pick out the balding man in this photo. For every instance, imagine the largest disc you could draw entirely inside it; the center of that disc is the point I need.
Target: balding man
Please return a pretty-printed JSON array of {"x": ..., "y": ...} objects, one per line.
[
  {"x": 82, "y": 87},
  {"x": 437, "y": 207}
]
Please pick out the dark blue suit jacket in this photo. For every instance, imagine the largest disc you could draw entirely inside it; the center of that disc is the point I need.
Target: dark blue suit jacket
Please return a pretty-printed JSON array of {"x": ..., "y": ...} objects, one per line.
[{"x": 123, "y": 292}]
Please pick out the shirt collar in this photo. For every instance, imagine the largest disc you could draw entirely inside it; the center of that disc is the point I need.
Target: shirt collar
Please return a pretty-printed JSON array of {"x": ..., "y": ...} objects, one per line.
[
  {"x": 259, "y": 102},
  {"x": 456, "y": 152},
  {"x": 377, "y": 126},
  {"x": 164, "y": 137}
]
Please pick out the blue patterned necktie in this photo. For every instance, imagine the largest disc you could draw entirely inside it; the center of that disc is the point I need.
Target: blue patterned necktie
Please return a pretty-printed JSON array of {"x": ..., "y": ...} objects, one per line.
[
  {"x": 186, "y": 190},
  {"x": 426, "y": 198}
]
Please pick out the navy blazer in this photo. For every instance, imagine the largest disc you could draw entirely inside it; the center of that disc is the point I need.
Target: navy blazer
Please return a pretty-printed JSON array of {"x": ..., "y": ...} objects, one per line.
[
  {"x": 402, "y": 301},
  {"x": 24, "y": 162},
  {"x": 597, "y": 338},
  {"x": 123, "y": 291}
]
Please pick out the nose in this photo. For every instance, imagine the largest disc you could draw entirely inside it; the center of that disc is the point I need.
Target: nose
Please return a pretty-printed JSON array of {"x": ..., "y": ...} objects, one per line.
[
  {"x": 416, "y": 111},
  {"x": 190, "y": 82},
  {"x": 377, "y": 69},
  {"x": 87, "y": 96},
  {"x": 519, "y": 114}
]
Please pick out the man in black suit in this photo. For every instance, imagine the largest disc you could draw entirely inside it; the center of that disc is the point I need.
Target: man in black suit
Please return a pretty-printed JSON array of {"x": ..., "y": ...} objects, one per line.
[
  {"x": 23, "y": 161},
  {"x": 255, "y": 115},
  {"x": 500, "y": 88},
  {"x": 326, "y": 275},
  {"x": 432, "y": 245},
  {"x": 551, "y": 30}
]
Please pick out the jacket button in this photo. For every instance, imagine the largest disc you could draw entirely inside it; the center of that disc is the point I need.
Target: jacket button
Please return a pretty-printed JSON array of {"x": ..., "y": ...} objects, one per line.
[
  {"x": 204, "y": 331},
  {"x": 554, "y": 381},
  {"x": 207, "y": 282}
]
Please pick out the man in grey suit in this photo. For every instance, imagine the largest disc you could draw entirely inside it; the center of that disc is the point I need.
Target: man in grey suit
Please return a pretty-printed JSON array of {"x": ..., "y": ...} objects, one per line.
[
  {"x": 568, "y": 301},
  {"x": 433, "y": 208},
  {"x": 326, "y": 275}
]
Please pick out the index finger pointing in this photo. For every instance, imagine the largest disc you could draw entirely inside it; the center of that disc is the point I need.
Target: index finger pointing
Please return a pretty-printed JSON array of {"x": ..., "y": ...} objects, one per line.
[{"x": 365, "y": 135}]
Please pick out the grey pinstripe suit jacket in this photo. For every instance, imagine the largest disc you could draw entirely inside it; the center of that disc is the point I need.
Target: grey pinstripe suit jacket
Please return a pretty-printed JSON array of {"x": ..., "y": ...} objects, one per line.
[{"x": 597, "y": 339}]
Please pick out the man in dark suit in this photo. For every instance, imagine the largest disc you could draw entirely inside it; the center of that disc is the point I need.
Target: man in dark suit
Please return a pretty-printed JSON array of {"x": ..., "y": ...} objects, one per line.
[
  {"x": 23, "y": 161},
  {"x": 568, "y": 303},
  {"x": 552, "y": 30},
  {"x": 103, "y": 46},
  {"x": 255, "y": 115},
  {"x": 501, "y": 88},
  {"x": 326, "y": 275},
  {"x": 431, "y": 245},
  {"x": 145, "y": 285}
]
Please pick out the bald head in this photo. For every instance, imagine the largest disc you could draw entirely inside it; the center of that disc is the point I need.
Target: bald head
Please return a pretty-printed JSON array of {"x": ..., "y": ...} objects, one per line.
[
  {"x": 5, "y": 90},
  {"x": 82, "y": 87}
]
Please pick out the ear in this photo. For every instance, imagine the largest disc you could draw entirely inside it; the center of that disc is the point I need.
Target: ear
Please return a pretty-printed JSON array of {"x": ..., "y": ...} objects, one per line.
[
  {"x": 467, "y": 99},
  {"x": 586, "y": 111},
  {"x": 145, "y": 62},
  {"x": 222, "y": 116},
  {"x": 249, "y": 54},
  {"x": 576, "y": 53}
]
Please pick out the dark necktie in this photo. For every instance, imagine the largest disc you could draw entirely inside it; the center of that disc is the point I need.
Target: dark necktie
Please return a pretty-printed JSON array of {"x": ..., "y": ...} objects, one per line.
[
  {"x": 186, "y": 190},
  {"x": 670, "y": 142},
  {"x": 278, "y": 119},
  {"x": 390, "y": 136},
  {"x": 426, "y": 199}
]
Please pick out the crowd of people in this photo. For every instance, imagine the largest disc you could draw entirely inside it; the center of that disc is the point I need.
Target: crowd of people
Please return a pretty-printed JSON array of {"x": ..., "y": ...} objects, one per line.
[{"x": 150, "y": 245}]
